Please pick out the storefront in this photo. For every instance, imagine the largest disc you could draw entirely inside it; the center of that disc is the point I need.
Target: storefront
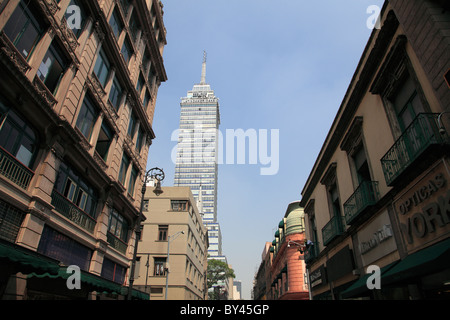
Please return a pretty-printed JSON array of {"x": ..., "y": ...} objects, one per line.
[
  {"x": 420, "y": 269},
  {"x": 376, "y": 248},
  {"x": 423, "y": 213},
  {"x": 329, "y": 281}
]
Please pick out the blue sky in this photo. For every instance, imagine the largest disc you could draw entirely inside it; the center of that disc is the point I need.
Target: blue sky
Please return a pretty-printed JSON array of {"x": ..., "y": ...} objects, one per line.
[{"x": 274, "y": 65}]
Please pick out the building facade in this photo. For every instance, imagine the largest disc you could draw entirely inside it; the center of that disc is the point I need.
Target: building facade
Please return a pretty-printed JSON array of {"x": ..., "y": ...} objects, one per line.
[
  {"x": 173, "y": 214},
  {"x": 77, "y": 103},
  {"x": 377, "y": 198},
  {"x": 282, "y": 272}
]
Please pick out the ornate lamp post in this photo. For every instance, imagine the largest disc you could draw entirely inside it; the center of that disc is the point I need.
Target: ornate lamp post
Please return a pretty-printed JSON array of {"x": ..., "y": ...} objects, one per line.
[{"x": 152, "y": 174}]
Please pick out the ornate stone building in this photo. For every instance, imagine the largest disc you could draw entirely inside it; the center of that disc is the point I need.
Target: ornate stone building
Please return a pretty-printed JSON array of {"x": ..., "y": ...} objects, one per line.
[
  {"x": 77, "y": 99},
  {"x": 282, "y": 272},
  {"x": 377, "y": 199}
]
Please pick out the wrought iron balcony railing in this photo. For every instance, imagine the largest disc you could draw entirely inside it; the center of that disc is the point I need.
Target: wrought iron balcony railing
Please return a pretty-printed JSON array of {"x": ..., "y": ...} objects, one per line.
[
  {"x": 312, "y": 253},
  {"x": 333, "y": 229},
  {"x": 14, "y": 170},
  {"x": 364, "y": 196},
  {"x": 116, "y": 243},
  {"x": 418, "y": 136},
  {"x": 72, "y": 212}
]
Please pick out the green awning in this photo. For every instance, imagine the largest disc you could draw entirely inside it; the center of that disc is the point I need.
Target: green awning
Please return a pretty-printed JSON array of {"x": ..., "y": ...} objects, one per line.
[
  {"x": 27, "y": 261},
  {"x": 96, "y": 283},
  {"x": 277, "y": 234},
  {"x": 359, "y": 288},
  {"x": 430, "y": 260}
]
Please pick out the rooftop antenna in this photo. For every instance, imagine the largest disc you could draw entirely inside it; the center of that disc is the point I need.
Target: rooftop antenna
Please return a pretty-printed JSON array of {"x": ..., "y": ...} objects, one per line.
[{"x": 203, "y": 80}]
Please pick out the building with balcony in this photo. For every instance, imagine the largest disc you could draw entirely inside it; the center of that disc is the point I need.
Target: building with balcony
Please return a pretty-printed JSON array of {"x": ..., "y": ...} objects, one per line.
[
  {"x": 282, "y": 272},
  {"x": 77, "y": 101},
  {"x": 378, "y": 193},
  {"x": 172, "y": 217}
]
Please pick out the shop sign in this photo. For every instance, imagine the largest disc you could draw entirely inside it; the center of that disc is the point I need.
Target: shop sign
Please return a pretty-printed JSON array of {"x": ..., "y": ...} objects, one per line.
[
  {"x": 340, "y": 264},
  {"x": 317, "y": 277},
  {"x": 378, "y": 237},
  {"x": 424, "y": 210}
]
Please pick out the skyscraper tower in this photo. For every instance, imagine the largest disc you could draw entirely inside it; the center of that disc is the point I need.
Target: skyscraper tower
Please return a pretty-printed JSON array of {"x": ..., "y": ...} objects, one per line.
[{"x": 197, "y": 154}]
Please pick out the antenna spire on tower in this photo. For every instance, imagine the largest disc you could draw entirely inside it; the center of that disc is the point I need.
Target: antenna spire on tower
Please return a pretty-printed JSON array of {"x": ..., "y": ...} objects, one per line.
[{"x": 203, "y": 79}]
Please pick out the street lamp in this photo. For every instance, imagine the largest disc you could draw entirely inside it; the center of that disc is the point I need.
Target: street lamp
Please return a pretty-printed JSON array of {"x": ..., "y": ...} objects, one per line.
[
  {"x": 303, "y": 247},
  {"x": 152, "y": 174},
  {"x": 171, "y": 238}
]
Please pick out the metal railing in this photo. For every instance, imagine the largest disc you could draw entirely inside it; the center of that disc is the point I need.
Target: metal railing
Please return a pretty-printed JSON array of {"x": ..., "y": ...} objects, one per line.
[
  {"x": 420, "y": 134},
  {"x": 72, "y": 212},
  {"x": 14, "y": 170},
  {"x": 365, "y": 195},
  {"x": 332, "y": 229},
  {"x": 116, "y": 243}
]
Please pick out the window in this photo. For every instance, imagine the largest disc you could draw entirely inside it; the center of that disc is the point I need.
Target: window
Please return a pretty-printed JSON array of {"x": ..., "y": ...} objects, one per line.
[
  {"x": 156, "y": 290},
  {"x": 70, "y": 189},
  {"x": 116, "y": 24},
  {"x": 134, "y": 26},
  {"x": 132, "y": 183},
  {"x": 87, "y": 117},
  {"x": 53, "y": 67},
  {"x": 132, "y": 125},
  {"x": 17, "y": 137},
  {"x": 407, "y": 103},
  {"x": 23, "y": 29},
  {"x": 115, "y": 94},
  {"x": 146, "y": 61},
  {"x": 179, "y": 205},
  {"x": 104, "y": 141},
  {"x": 162, "y": 232},
  {"x": 102, "y": 67},
  {"x": 329, "y": 180},
  {"x": 72, "y": 186},
  {"x": 126, "y": 51},
  {"x": 159, "y": 267},
  {"x": 124, "y": 168},
  {"x": 140, "y": 141},
  {"x": 125, "y": 5},
  {"x": 140, "y": 84},
  {"x": 361, "y": 165},
  {"x": 60, "y": 247},
  {"x": 118, "y": 225},
  {"x": 146, "y": 99},
  {"x": 113, "y": 271},
  {"x": 334, "y": 198},
  {"x": 11, "y": 220}
]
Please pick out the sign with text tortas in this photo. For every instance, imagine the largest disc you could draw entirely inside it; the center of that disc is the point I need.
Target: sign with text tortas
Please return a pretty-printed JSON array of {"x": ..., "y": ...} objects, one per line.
[{"x": 423, "y": 209}]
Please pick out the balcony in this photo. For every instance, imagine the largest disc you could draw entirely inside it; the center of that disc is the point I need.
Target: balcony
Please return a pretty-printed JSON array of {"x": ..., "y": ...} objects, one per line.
[
  {"x": 72, "y": 212},
  {"x": 364, "y": 196},
  {"x": 312, "y": 253},
  {"x": 117, "y": 243},
  {"x": 14, "y": 170},
  {"x": 333, "y": 229},
  {"x": 422, "y": 133}
]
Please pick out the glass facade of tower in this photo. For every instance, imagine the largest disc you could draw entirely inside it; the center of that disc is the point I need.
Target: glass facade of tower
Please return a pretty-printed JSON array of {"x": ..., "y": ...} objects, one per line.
[{"x": 196, "y": 160}]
